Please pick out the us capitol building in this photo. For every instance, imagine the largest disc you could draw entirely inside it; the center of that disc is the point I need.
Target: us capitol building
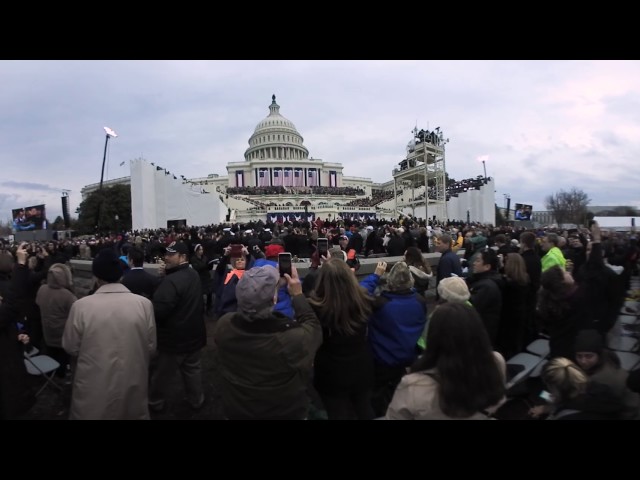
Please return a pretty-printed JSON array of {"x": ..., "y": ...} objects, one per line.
[{"x": 278, "y": 180}]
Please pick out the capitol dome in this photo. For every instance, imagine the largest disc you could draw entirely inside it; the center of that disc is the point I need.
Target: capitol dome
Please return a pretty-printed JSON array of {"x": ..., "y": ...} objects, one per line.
[{"x": 276, "y": 138}]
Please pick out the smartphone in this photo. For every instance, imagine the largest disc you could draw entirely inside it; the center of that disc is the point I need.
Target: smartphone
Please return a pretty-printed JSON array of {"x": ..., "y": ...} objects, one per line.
[
  {"x": 236, "y": 250},
  {"x": 323, "y": 247},
  {"x": 284, "y": 263},
  {"x": 546, "y": 396}
]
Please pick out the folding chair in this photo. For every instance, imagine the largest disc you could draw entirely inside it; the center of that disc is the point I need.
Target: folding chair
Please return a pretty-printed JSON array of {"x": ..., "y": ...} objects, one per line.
[
  {"x": 539, "y": 347},
  {"x": 527, "y": 363},
  {"x": 628, "y": 361},
  {"x": 41, "y": 365}
]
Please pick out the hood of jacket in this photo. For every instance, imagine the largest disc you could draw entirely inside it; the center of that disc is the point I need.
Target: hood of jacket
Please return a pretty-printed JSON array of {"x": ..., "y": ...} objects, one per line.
[
  {"x": 59, "y": 276},
  {"x": 419, "y": 273}
]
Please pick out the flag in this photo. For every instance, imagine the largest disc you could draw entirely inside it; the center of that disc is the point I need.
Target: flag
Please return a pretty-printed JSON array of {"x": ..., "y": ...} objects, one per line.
[
  {"x": 312, "y": 182},
  {"x": 121, "y": 164},
  {"x": 277, "y": 178},
  {"x": 239, "y": 178},
  {"x": 263, "y": 178},
  {"x": 287, "y": 177},
  {"x": 298, "y": 181},
  {"x": 332, "y": 179},
  {"x": 483, "y": 158}
]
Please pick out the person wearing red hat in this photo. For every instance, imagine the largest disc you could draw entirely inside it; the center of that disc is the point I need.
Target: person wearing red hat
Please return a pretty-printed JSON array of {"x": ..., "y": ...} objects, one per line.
[{"x": 272, "y": 251}]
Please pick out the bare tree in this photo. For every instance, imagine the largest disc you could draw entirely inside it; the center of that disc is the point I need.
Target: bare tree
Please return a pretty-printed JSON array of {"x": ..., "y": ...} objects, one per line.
[
  {"x": 569, "y": 206},
  {"x": 5, "y": 228}
]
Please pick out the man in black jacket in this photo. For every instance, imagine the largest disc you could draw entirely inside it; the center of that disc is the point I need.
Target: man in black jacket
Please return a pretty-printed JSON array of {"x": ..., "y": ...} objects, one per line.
[
  {"x": 136, "y": 279},
  {"x": 485, "y": 286},
  {"x": 449, "y": 263},
  {"x": 177, "y": 304}
]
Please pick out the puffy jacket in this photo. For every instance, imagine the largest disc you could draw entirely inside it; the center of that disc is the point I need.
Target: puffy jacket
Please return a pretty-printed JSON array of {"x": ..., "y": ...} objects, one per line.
[{"x": 177, "y": 303}]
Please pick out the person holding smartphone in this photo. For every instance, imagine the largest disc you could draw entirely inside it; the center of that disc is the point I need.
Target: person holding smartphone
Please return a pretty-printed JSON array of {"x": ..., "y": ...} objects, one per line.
[{"x": 271, "y": 354}]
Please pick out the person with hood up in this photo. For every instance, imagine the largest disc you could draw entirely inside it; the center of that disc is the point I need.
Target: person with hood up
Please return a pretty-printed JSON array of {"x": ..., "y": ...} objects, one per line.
[{"x": 55, "y": 299}]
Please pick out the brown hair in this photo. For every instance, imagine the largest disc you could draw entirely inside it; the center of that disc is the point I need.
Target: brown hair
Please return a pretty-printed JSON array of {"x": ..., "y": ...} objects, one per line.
[
  {"x": 339, "y": 300},
  {"x": 413, "y": 257},
  {"x": 516, "y": 269}
]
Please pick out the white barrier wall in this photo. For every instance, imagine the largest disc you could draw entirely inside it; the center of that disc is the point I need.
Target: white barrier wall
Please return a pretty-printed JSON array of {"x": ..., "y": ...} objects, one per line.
[
  {"x": 157, "y": 198},
  {"x": 479, "y": 203}
]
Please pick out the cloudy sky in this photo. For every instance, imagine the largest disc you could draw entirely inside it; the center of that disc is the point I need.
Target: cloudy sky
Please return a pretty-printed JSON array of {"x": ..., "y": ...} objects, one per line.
[{"x": 545, "y": 125}]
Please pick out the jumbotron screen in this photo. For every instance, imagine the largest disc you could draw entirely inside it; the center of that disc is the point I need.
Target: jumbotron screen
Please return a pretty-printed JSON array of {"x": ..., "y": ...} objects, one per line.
[
  {"x": 523, "y": 211},
  {"x": 29, "y": 218}
]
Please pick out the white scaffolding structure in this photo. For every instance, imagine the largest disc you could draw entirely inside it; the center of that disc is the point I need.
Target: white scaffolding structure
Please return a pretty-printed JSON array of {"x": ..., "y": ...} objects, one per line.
[{"x": 424, "y": 166}]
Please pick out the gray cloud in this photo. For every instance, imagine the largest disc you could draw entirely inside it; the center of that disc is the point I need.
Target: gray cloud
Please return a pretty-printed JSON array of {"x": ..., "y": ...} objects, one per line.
[
  {"x": 29, "y": 186},
  {"x": 544, "y": 124}
]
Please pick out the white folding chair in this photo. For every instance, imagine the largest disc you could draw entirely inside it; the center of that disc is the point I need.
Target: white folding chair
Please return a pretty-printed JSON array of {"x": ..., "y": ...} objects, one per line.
[
  {"x": 42, "y": 365},
  {"x": 526, "y": 360},
  {"x": 628, "y": 360},
  {"x": 539, "y": 347}
]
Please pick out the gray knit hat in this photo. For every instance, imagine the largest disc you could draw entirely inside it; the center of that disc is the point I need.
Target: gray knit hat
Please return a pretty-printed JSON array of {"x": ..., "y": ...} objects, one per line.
[
  {"x": 399, "y": 278},
  {"x": 256, "y": 289}
]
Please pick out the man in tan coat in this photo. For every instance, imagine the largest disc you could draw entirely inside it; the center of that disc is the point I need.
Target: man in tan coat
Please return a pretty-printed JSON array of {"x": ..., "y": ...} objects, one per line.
[{"x": 113, "y": 333}]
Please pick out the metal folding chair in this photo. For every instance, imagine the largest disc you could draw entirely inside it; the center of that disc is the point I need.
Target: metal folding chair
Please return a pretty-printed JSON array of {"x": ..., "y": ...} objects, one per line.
[{"x": 42, "y": 365}]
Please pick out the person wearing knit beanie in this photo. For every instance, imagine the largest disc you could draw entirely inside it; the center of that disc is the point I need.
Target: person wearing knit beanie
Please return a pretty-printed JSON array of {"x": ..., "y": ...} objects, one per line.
[
  {"x": 106, "y": 266},
  {"x": 399, "y": 278},
  {"x": 589, "y": 347},
  {"x": 454, "y": 289}
]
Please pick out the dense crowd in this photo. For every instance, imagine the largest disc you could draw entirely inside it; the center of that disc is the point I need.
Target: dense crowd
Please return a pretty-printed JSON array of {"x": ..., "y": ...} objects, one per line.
[{"x": 368, "y": 346}]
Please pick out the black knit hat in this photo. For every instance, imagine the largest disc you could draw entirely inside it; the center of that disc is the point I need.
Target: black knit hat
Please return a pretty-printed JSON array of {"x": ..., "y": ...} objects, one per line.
[
  {"x": 106, "y": 266},
  {"x": 589, "y": 341}
]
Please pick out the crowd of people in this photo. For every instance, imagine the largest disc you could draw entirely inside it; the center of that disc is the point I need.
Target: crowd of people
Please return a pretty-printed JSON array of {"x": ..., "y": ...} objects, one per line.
[{"x": 371, "y": 347}]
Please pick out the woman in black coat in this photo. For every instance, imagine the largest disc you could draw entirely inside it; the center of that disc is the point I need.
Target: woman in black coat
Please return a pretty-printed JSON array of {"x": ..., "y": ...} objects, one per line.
[
  {"x": 343, "y": 366},
  {"x": 16, "y": 394}
]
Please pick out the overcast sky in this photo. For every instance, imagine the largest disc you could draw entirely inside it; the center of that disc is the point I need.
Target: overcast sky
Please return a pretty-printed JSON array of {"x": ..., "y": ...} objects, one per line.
[{"x": 545, "y": 125}]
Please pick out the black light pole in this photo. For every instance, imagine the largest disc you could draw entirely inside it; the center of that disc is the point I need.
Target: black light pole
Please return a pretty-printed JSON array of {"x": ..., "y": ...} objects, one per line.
[{"x": 110, "y": 133}]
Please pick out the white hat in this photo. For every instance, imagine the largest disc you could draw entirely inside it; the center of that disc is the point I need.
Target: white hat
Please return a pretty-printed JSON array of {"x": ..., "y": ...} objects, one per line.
[{"x": 453, "y": 289}]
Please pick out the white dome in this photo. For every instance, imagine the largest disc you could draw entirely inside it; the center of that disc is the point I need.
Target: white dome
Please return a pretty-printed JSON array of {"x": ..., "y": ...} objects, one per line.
[
  {"x": 275, "y": 137},
  {"x": 275, "y": 121}
]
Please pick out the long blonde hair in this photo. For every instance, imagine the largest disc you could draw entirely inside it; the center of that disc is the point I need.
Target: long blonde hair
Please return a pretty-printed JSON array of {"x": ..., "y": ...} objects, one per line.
[{"x": 341, "y": 303}]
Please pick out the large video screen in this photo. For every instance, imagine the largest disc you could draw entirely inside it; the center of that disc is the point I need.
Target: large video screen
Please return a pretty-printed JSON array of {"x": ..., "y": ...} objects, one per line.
[
  {"x": 29, "y": 218},
  {"x": 523, "y": 211}
]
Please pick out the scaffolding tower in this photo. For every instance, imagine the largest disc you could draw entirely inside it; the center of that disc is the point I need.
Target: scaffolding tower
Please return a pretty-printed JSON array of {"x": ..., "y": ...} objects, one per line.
[{"x": 423, "y": 166}]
